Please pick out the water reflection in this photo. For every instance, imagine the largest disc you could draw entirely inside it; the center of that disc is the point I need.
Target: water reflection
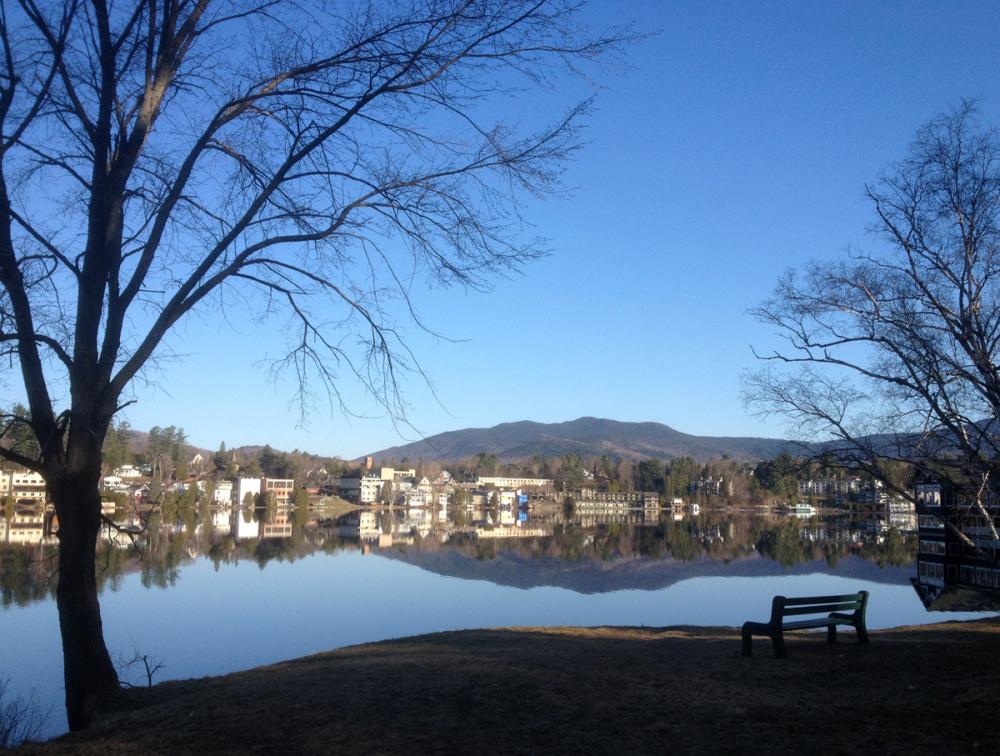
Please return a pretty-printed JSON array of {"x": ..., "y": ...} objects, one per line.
[
  {"x": 252, "y": 586},
  {"x": 156, "y": 541},
  {"x": 591, "y": 546}
]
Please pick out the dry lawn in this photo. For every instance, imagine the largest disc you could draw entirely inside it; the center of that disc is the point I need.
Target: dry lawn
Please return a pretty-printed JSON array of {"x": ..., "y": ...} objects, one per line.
[{"x": 929, "y": 689}]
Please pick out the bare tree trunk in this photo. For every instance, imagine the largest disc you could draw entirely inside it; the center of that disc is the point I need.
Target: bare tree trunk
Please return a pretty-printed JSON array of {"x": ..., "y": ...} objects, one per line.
[{"x": 90, "y": 677}]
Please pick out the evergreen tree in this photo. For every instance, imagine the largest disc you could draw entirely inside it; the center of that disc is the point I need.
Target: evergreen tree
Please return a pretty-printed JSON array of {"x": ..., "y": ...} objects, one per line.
[
  {"x": 117, "y": 447},
  {"x": 221, "y": 459},
  {"x": 17, "y": 433}
]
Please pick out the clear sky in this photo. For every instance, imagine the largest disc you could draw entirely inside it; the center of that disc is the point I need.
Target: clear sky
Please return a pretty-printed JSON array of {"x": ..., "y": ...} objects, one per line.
[{"x": 737, "y": 144}]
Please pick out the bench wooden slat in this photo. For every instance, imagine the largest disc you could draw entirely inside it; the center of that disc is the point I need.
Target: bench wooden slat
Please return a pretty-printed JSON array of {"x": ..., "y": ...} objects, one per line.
[
  {"x": 807, "y": 624},
  {"x": 818, "y": 609},
  {"x": 802, "y": 600}
]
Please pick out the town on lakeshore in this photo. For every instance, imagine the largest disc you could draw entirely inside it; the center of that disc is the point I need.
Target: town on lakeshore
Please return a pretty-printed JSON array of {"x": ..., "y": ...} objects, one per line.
[
  {"x": 591, "y": 526},
  {"x": 239, "y": 498},
  {"x": 484, "y": 250}
]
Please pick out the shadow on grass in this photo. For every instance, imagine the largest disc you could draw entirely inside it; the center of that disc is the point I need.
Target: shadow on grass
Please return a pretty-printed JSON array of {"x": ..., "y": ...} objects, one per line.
[{"x": 593, "y": 690}]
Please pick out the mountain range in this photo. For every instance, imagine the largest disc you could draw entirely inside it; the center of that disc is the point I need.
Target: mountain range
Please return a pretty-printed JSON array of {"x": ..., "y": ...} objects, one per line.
[{"x": 586, "y": 436}]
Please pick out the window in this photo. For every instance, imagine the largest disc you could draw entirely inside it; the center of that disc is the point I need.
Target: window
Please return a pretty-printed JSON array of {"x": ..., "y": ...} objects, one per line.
[
  {"x": 931, "y": 547},
  {"x": 931, "y": 570}
]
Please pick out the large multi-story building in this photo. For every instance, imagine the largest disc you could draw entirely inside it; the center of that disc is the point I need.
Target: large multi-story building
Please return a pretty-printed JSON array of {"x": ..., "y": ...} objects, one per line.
[
  {"x": 830, "y": 488},
  {"x": 963, "y": 553},
  {"x": 24, "y": 486},
  {"x": 511, "y": 482},
  {"x": 362, "y": 490},
  {"x": 627, "y": 499},
  {"x": 244, "y": 486},
  {"x": 281, "y": 489},
  {"x": 873, "y": 495},
  {"x": 391, "y": 473}
]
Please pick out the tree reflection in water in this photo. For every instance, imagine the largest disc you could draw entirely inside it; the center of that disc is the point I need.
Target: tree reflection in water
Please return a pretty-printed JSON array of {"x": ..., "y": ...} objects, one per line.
[{"x": 178, "y": 532}]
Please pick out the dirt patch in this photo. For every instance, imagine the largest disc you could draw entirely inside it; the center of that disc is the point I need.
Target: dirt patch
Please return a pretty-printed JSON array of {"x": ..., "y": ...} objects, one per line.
[{"x": 929, "y": 689}]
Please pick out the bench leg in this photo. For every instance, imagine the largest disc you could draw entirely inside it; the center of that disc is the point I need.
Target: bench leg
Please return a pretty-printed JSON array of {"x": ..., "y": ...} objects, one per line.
[
  {"x": 779, "y": 645},
  {"x": 831, "y": 633},
  {"x": 747, "y": 642},
  {"x": 862, "y": 632}
]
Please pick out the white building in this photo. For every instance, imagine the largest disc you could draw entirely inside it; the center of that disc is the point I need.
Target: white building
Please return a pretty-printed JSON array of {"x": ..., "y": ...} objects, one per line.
[
  {"x": 223, "y": 492},
  {"x": 362, "y": 490},
  {"x": 244, "y": 486},
  {"x": 504, "y": 482},
  {"x": 23, "y": 486},
  {"x": 874, "y": 494},
  {"x": 829, "y": 487},
  {"x": 114, "y": 483},
  {"x": 391, "y": 473}
]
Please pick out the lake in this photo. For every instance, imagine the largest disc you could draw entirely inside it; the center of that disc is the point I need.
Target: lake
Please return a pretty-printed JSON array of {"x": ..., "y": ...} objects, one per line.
[{"x": 212, "y": 591}]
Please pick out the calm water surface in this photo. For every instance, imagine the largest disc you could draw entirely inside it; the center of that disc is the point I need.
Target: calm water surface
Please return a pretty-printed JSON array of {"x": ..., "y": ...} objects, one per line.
[{"x": 211, "y": 595}]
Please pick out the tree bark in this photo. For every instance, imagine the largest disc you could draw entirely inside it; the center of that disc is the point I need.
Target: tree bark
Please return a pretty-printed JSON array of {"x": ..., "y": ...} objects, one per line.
[{"x": 90, "y": 677}]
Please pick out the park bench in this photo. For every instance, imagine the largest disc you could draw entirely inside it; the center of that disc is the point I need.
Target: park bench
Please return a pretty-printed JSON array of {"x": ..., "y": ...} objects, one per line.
[{"x": 837, "y": 610}]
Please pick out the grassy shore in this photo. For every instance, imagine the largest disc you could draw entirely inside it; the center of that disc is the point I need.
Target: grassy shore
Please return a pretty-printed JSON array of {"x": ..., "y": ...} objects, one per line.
[{"x": 929, "y": 689}]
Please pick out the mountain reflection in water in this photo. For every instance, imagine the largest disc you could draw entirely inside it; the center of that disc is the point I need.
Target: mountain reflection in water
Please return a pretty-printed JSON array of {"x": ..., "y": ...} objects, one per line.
[
  {"x": 209, "y": 591},
  {"x": 586, "y": 551}
]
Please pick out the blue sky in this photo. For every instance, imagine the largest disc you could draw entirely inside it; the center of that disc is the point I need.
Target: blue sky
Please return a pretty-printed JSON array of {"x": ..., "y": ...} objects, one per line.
[{"x": 737, "y": 145}]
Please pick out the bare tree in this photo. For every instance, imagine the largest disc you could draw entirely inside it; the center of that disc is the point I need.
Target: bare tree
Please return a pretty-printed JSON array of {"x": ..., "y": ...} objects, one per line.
[
  {"x": 21, "y": 717},
  {"x": 160, "y": 157},
  {"x": 151, "y": 664},
  {"x": 892, "y": 355}
]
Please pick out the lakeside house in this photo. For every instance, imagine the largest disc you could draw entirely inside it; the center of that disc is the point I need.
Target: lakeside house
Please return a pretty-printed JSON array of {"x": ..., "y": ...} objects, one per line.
[{"x": 128, "y": 472}]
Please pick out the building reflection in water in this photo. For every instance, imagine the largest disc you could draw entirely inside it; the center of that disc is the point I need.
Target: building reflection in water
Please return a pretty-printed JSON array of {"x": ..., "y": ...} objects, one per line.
[
  {"x": 957, "y": 568},
  {"x": 156, "y": 540},
  {"x": 26, "y": 526}
]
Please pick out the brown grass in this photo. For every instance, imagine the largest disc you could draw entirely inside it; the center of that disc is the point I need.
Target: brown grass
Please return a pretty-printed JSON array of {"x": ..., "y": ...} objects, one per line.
[{"x": 929, "y": 689}]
